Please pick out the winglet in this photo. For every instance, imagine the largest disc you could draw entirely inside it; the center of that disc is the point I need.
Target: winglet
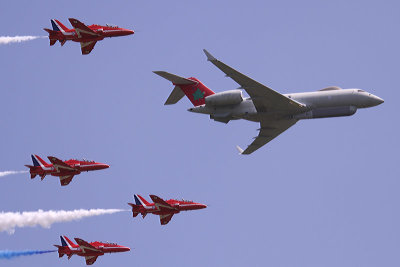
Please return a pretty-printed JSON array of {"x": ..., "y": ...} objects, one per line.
[
  {"x": 239, "y": 149},
  {"x": 209, "y": 56}
]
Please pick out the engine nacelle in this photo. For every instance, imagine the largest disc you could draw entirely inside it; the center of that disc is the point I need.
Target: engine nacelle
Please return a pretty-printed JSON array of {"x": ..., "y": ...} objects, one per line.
[
  {"x": 327, "y": 112},
  {"x": 231, "y": 97}
]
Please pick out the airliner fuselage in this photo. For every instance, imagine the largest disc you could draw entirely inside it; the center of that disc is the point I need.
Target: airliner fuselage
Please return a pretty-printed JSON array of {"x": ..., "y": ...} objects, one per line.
[{"x": 329, "y": 102}]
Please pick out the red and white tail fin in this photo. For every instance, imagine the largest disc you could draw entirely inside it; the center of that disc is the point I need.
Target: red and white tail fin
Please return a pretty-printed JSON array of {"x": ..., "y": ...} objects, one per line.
[
  {"x": 65, "y": 242},
  {"x": 38, "y": 161},
  {"x": 194, "y": 89},
  {"x": 58, "y": 26},
  {"x": 139, "y": 200}
]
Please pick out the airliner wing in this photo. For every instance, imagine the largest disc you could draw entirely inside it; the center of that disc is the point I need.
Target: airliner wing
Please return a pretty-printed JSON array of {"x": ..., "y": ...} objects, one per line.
[
  {"x": 264, "y": 98},
  {"x": 164, "y": 219},
  {"x": 59, "y": 164},
  {"x": 81, "y": 29},
  {"x": 65, "y": 180},
  {"x": 90, "y": 259},
  {"x": 85, "y": 246},
  {"x": 87, "y": 47},
  {"x": 160, "y": 203},
  {"x": 268, "y": 131}
]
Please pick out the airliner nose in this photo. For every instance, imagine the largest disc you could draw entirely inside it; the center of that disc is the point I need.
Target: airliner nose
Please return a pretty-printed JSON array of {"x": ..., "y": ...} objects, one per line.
[{"x": 376, "y": 100}]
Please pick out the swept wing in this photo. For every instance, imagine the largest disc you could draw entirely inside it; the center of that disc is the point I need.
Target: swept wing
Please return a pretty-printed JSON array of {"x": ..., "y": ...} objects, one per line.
[
  {"x": 82, "y": 30},
  {"x": 59, "y": 164},
  {"x": 268, "y": 131},
  {"x": 264, "y": 98},
  {"x": 90, "y": 259},
  {"x": 266, "y": 101},
  {"x": 161, "y": 204},
  {"x": 65, "y": 180},
  {"x": 86, "y": 247},
  {"x": 87, "y": 47},
  {"x": 164, "y": 219}
]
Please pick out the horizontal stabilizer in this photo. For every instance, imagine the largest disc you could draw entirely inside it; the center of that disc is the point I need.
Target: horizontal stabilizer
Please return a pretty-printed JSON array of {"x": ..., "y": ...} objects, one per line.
[
  {"x": 175, "y": 96},
  {"x": 50, "y": 31},
  {"x": 134, "y": 206},
  {"x": 175, "y": 79}
]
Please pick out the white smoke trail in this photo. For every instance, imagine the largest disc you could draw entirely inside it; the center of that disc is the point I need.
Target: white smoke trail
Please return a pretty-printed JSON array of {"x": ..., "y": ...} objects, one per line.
[
  {"x": 5, "y": 173},
  {"x": 18, "y": 39},
  {"x": 10, "y": 220}
]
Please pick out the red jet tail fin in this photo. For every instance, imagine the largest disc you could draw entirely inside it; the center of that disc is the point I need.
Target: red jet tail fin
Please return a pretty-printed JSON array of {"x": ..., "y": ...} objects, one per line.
[
  {"x": 33, "y": 175},
  {"x": 140, "y": 201},
  {"x": 196, "y": 92},
  {"x": 60, "y": 254},
  {"x": 52, "y": 36},
  {"x": 38, "y": 161},
  {"x": 135, "y": 209},
  {"x": 58, "y": 26},
  {"x": 48, "y": 31},
  {"x": 194, "y": 89},
  {"x": 65, "y": 242}
]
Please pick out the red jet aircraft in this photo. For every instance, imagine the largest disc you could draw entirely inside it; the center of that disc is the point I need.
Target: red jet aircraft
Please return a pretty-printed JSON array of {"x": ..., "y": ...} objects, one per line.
[
  {"x": 88, "y": 250},
  {"x": 86, "y": 35},
  {"x": 63, "y": 169},
  {"x": 166, "y": 209}
]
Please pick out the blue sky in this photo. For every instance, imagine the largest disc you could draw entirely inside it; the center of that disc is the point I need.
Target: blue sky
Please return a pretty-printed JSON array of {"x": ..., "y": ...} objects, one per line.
[{"x": 324, "y": 193}]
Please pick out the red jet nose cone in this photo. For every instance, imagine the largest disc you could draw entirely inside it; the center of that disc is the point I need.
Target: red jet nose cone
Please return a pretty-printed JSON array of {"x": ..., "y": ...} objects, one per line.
[
  {"x": 103, "y": 166},
  {"x": 126, "y": 249},
  {"x": 201, "y": 206},
  {"x": 128, "y": 32}
]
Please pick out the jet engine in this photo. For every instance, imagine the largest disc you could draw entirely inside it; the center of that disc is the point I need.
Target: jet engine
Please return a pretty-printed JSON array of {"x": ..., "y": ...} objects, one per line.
[{"x": 231, "y": 97}]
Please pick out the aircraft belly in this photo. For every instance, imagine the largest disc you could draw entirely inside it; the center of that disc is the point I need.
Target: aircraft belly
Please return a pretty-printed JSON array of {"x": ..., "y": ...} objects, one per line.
[
  {"x": 244, "y": 110},
  {"x": 85, "y": 40},
  {"x": 327, "y": 112},
  {"x": 90, "y": 253},
  {"x": 63, "y": 173},
  {"x": 329, "y": 99}
]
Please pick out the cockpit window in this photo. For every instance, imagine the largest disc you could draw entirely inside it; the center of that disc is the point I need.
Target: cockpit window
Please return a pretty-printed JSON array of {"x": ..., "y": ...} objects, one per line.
[
  {"x": 360, "y": 91},
  {"x": 111, "y": 25}
]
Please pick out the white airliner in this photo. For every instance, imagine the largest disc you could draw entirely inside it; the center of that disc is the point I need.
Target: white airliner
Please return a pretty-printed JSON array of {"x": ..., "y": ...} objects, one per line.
[{"x": 274, "y": 111}]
